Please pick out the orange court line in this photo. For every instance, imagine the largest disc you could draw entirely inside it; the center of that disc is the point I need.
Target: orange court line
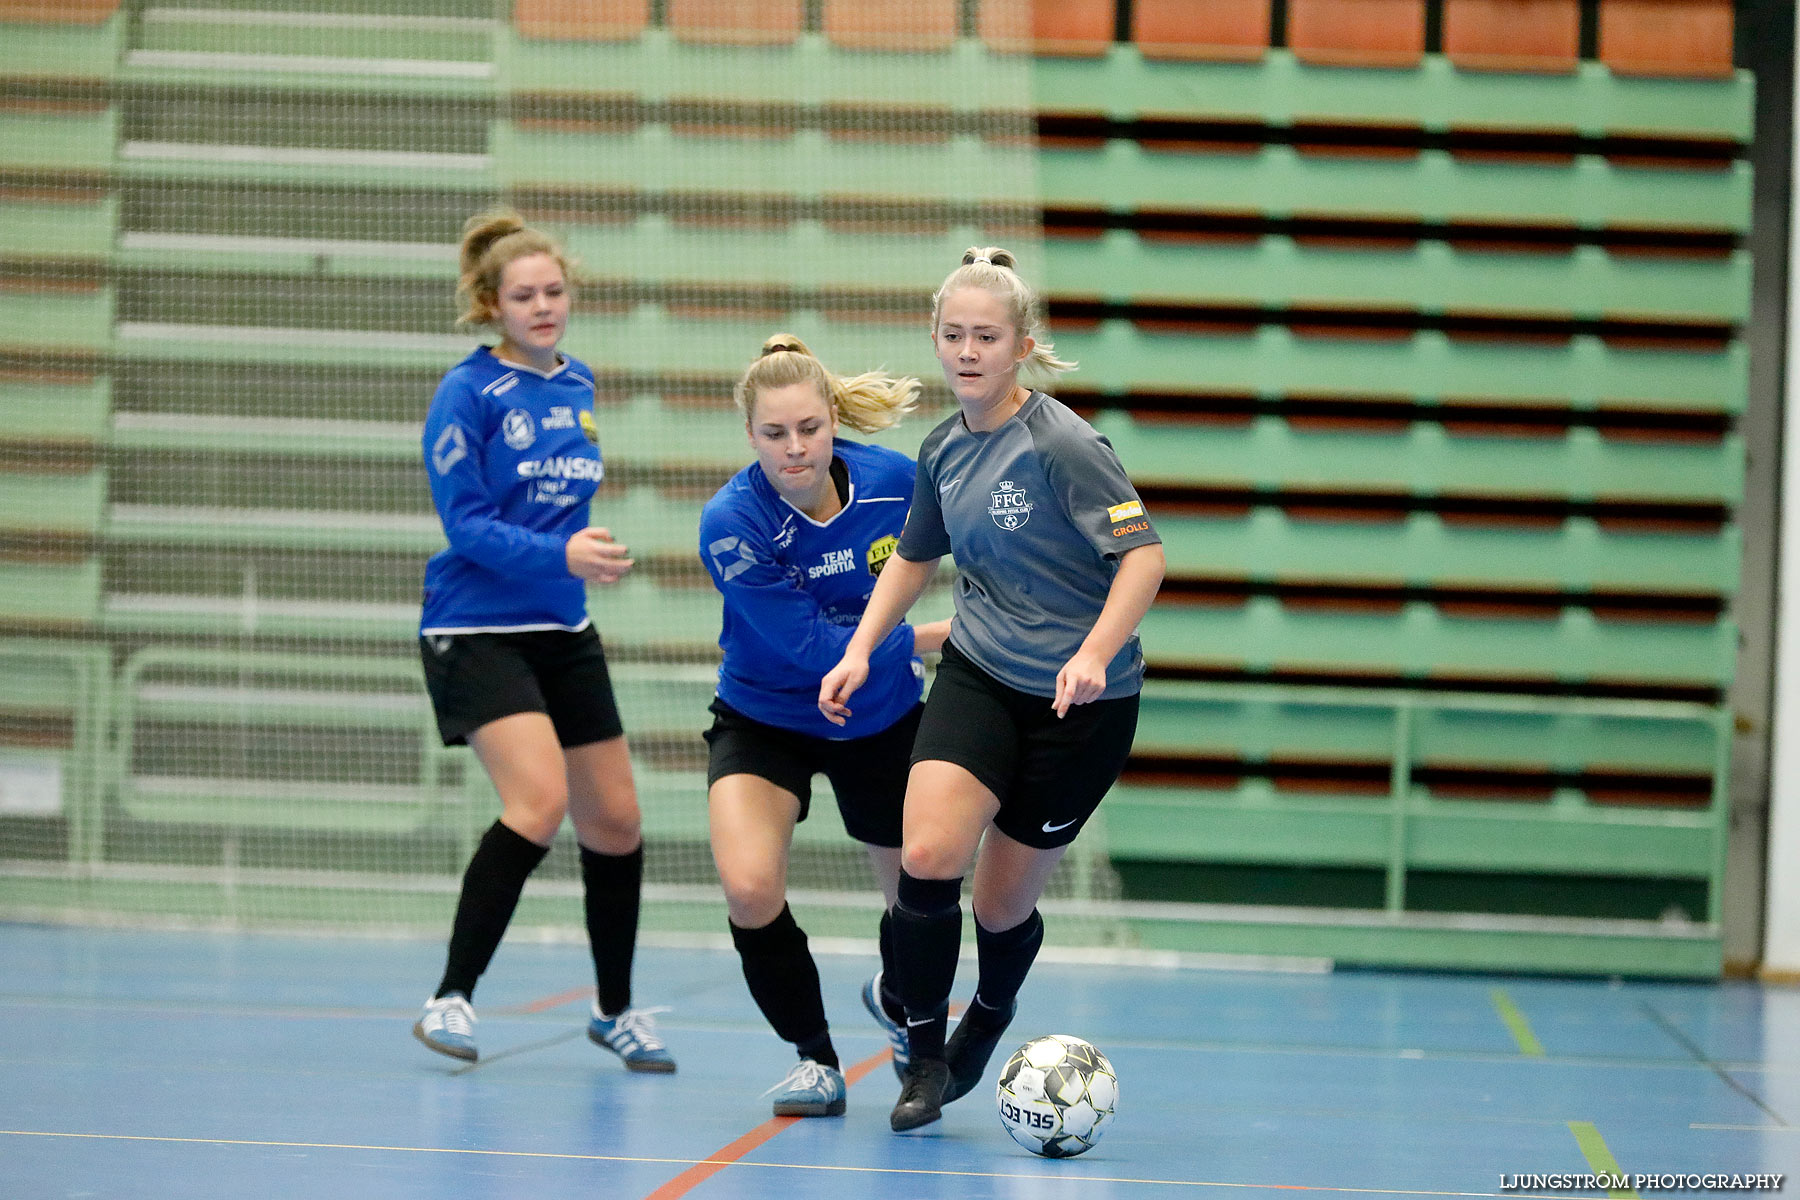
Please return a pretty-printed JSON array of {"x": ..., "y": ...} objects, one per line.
[{"x": 701, "y": 1171}]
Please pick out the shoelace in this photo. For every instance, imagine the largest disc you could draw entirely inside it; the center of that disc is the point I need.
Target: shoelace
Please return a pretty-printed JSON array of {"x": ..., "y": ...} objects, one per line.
[
  {"x": 458, "y": 1019},
  {"x": 806, "y": 1074},
  {"x": 636, "y": 1023}
]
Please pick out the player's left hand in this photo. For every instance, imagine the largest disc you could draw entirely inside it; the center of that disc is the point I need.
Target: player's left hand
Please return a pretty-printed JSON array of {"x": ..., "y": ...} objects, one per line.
[{"x": 1082, "y": 678}]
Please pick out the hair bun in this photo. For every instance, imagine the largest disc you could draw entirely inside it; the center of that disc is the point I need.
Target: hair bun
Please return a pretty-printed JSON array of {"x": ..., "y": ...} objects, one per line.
[
  {"x": 785, "y": 341},
  {"x": 993, "y": 256}
]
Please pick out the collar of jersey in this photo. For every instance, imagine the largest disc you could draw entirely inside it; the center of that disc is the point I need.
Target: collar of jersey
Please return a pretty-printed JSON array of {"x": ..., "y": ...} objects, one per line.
[{"x": 510, "y": 365}]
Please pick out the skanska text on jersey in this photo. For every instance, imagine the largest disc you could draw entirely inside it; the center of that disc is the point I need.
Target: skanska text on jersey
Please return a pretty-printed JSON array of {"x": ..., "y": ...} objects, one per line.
[{"x": 559, "y": 467}]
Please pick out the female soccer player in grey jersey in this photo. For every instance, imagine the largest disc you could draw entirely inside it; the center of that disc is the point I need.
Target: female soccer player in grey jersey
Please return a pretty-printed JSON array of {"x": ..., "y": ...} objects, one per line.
[{"x": 1034, "y": 707}]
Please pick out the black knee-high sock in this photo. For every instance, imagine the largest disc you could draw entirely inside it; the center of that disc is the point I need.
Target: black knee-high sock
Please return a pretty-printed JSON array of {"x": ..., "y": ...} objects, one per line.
[
  {"x": 927, "y": 936},
  {"x": 1006, "y": 957},
  {"x": 490, "y": 892},
  {"x": 611, "y": 885},
  {"x": 784, "y": 982},
  {"x": 890, "y": 991}
]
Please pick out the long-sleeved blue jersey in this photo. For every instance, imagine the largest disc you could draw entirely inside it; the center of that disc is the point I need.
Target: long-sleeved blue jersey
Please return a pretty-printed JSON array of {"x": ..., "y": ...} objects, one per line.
[
  {"x": 513, "y": 459},
  {"x": 795, "y": 588}
]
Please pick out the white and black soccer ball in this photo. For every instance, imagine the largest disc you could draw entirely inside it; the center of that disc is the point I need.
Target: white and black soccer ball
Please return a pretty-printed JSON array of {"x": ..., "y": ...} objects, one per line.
[{"x": 1057, "y": 1095}]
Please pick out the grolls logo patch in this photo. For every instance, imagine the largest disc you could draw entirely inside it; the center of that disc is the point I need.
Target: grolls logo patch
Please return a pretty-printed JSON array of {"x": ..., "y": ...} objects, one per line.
[
  {"x": 1009, "y": 505},
  {"x": 880, "y": 551}
]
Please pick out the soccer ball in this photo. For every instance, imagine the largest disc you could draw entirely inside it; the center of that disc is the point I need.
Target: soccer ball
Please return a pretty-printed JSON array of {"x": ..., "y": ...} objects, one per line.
[{"x": 1057, "y": 1095}]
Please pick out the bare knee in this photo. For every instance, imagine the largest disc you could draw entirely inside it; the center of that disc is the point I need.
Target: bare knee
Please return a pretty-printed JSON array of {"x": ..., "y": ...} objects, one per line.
[
  {"x": 931, "y": 858},
  {"x": 535, "y": 808},
  {"x": 754, "y": 896}
]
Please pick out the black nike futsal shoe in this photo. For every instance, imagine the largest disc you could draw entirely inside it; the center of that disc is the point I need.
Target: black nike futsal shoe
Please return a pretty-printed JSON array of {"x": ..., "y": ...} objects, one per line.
[
  {"x": 921, "y": 1094},
  {"x": 968, "y": 1051}
]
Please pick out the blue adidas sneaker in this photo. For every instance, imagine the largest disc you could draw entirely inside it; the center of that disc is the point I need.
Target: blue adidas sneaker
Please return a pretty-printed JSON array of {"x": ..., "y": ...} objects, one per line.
[
  {"x": 811, "y": 1089},
  {"x": 632, "y": 1036},
  {"x": 898, "y": 1042}
]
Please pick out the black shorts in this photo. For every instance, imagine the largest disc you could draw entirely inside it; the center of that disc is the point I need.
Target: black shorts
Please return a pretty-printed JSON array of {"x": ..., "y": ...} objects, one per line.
[
  {"x": 1049, "y": 774},
  {"x": 868, "y": 774},
  {"x": 474, "y": 678}
]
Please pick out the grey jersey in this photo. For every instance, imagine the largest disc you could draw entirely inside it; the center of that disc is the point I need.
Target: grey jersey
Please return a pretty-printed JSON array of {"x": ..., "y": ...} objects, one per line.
[{"x": 1036, "y": 514}]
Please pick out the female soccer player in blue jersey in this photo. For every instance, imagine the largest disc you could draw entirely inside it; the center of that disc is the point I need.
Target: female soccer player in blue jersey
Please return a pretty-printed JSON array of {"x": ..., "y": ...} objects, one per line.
[
  {"x": 794, "y": 543},
  {"x": 1034, "y": 707},
  {"x": 512, "y": 663}
]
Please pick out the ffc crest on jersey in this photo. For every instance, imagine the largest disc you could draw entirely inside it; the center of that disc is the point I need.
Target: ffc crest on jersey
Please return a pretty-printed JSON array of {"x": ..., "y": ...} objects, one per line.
[
  {"x": 589, "y": 430},
  {"x": 1009, "y": 505},
  {"x": 518, "y": 429},
  {"x": 880, "y": 551}
]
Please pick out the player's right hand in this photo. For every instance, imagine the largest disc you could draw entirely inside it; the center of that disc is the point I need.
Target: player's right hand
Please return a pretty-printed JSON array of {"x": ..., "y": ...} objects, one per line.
[
  {"x": 839, "y": 684},
  {"x": 594, "y": 556}
]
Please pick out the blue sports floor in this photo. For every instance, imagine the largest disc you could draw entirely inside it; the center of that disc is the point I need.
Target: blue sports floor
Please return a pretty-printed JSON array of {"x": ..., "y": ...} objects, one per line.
[{"x": 151, "y": 1065}]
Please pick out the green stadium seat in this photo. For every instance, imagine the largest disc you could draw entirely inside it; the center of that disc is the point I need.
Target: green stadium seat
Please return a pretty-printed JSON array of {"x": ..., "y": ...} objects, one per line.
[
  {"x": 71, "y": 138},
  {"x": 393, "y": 49},
  {"x": 66, "y": 40},
  {"x": 1429, "y": 276},
  {"x": 1424, "y": 550},
  {"x": 1357, "y": 33},
  {"x": 1684, "y": 38},
  {"x": 1263, "y": 635},
  {"x": 68, "y": 226},
  {"x": 67, "y": 504},
  {"x": 1281, "y": 89},
  {"x": 1424, "y": 459},
  {"x": 49, "y": 593},
  {"x": 1513, "y": 35},
  {"x": 54, "y": 408},
  {"x": 1279, "y": 181},
  {"x": 1583, "y": 371}
]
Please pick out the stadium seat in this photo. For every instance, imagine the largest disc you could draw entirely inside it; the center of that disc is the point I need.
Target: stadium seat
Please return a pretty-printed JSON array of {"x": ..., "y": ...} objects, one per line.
[
  {"x": 55, "y": 12},
  {"x": 1513, "y": 35},
  {"x": 922, "y": 25},
  {"x": 1357, "y": 33},
  {"x": 1683, "y": 38},
  {"x": 1230, "y": 30},
  {"x": 581, "y": 20},
  {"x": 735, "y": 22},
  {"x": 1059, "y": 28}
]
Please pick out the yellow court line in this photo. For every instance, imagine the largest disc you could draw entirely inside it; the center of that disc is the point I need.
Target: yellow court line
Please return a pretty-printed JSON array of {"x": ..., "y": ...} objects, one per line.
[
  {"x": 1593, "y": 1148},
  {"x": 624, "y": 1158},
  {"x": 1516, "y": 1022}
]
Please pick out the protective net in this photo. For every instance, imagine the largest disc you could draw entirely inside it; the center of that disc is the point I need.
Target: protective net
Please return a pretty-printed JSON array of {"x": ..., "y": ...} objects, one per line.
[{"x": 232, "y": 258}]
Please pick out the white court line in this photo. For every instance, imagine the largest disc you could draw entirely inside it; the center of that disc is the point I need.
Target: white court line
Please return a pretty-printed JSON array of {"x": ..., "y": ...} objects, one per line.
[
  {"x": 304, "y": 156},
  {"x": 317, "y": 20},
  {"x": 312, "y": 64}
]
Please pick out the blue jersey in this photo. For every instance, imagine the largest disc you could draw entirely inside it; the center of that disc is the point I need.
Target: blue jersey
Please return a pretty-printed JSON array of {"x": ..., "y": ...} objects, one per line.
[
  {"x": 795, "y": 588},
  {"x": 513, "y": 458}
]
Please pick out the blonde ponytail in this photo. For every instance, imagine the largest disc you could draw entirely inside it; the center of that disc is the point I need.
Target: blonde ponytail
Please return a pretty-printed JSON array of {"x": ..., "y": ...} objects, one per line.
[
  {"x": 996, "y": 270},
  {"x": 867, "y": 403}
]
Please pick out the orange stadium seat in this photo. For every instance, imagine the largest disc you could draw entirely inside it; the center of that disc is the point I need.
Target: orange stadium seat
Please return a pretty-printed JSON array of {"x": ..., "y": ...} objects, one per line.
[
  {"x": 1056, "y": 28},
  {"x": 736, "y": 22},
  {"x": 1357, "y": 33},
  {"x": 1179, "y": 29},
  {"x": 582, "y": 20},
  {"x": 1667, "y": 37},
  {"x": 884, "y": 25},
  {"x": 69, "y": 12},
  {"x": 1513, "y": 35}
]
